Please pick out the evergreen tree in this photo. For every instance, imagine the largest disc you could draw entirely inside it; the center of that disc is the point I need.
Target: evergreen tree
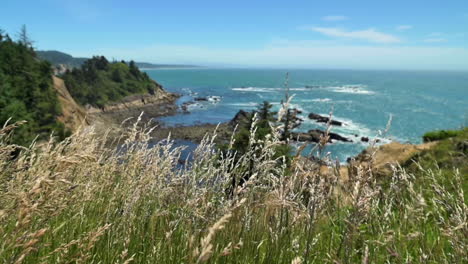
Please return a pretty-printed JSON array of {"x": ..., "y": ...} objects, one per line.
[
  {"x": 26, "y": 91},
  {"x": 99, "y": 82},
  {"x": 264, "y": 111},
  {"x": 23, "y": 37},
  {"x": 286, "y": 124},
  {"x": 134, "y": 70}
]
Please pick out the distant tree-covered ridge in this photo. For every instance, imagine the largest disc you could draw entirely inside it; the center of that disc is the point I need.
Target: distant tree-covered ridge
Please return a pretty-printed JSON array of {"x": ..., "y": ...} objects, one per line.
[
  {"x": 57, "y": 57},
  {"x": 60, "y": 58},
  {"x": 99, "y": 82},
  {"x": 26, "y": 90}
]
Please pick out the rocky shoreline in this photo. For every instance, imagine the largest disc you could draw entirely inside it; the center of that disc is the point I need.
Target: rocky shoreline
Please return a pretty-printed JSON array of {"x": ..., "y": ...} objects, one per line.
[
  {"x": 165, "y": 105},
  {"x": 384, "y": 155},
  {"x": 152, "y": 106}
]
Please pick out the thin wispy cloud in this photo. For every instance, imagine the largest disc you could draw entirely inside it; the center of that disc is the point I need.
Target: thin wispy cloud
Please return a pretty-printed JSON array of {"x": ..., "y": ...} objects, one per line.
[
  {"x": 370, "y": 35},
  {"x": 334, "y": 18},
  {"x": 403, "y": 27},
  {"x": 435, "y": 40},
  {"x": 300, "y": 54}
]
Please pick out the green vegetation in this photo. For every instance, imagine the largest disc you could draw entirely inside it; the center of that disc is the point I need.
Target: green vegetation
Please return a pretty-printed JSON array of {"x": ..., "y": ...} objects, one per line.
[
  {"x": 99, "y": 82},
  {"x": 449, "y": 154},
  {"x": 57, "y": 57},
  {"x": 26, "y": 91},
  {"x": 440, "y": 134},
  {"x": 262, "y": 120},
  {"x": 79, "y": 202}
]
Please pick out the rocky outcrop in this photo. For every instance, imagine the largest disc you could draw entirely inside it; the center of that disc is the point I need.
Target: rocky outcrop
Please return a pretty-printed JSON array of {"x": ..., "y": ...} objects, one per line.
[
  {"x": 324, "y": 119},
  {"x": 73, "y": 116},
  {"x": 211, "y": 98},
  {"x": 242, "y": 117},
  {"x": 138, "y": 100},
  {"x": 200, "y": 99},
  {"x": 314, "y": 135},
  {"x": 60, "y": 69}
]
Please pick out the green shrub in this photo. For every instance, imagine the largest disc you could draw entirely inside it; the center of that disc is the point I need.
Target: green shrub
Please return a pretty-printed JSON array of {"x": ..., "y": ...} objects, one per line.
[{"x": 440, "y": 135}]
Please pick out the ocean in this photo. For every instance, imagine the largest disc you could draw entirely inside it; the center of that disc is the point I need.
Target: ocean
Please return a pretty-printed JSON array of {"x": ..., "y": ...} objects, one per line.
[{"x": 417, "y": 101}]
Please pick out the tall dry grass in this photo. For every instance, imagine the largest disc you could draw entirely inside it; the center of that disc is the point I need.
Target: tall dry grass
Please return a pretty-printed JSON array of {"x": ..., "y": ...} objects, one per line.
[{"x": 80, "y": 201}]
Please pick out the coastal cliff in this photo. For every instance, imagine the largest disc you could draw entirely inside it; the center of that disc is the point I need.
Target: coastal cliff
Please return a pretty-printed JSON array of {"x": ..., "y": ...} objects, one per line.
[
  {"x": 72, "y": 116},
  {"x": 111, "y": 92}
]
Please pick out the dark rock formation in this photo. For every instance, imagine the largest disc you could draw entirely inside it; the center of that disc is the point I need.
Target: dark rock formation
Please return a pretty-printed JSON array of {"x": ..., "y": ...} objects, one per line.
[
  {"x": 314, "y": 135},
  {"x": 333, "y": 136},
  {"x": 297, "y": 111},
  {"x": 240, "y": 118},
  {"x": 367, "y": 139},
  {"x": 324, "y": 119},
  {"x": 303, "y": 137},
  {"x": 185, "y": 106}
]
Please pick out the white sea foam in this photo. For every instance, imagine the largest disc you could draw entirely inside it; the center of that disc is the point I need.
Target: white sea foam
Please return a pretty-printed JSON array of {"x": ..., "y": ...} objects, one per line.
[
  {"x": 214, "y": 99},
  {"x": 316, "y": 100},
  {"x": 249, "y": 104},
  {"x": 255, "y": 89},
  {"x": 296, "y": 89},
  {"x": 267, "y": 89},
  {"x": 189, "y": 91},
  {"x": 351, "y": 89}
]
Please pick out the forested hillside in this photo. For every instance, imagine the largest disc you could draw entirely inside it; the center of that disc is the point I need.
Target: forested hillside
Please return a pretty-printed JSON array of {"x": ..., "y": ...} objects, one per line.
[
  {"x": 26, "y": 91},
  {"x": 99, "y": 82},
  {"x": 57, "y": 57},
  {"x": 60, "y": 58}
]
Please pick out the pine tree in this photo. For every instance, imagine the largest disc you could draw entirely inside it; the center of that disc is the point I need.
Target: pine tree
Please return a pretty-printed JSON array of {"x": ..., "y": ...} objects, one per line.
[
  {"x": 287, "y": 124},
  {"x": 23, "y": 37},
  {"x": 264, "y": 112},
  {"x": 134, "y": 70}
]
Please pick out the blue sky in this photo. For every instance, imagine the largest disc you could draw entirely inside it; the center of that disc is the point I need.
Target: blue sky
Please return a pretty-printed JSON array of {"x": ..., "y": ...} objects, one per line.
[{"x": 296, "y": 33}]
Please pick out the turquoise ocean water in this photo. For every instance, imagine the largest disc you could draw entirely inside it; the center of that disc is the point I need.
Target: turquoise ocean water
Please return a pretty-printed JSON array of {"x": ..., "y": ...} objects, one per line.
[{"x": 418, "y": 101}]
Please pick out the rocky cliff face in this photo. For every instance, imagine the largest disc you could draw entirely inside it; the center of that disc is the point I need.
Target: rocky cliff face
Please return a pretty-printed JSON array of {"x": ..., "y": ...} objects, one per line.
[
  {"x": 136, "y": 101},
  {"x": 160, "y": 103},
  {"x": 73, "y": 115}
]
